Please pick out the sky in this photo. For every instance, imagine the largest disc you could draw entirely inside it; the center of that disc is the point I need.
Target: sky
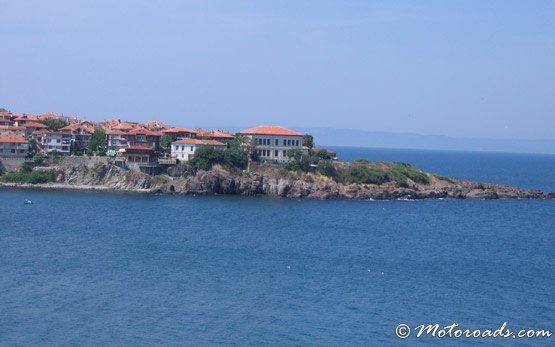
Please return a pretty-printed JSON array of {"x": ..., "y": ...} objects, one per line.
[{"x": 455, "y": 68}]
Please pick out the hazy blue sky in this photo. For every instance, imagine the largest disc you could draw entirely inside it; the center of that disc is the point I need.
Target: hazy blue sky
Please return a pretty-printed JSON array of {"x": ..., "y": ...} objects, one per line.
[{"x": 457, "y": 68}]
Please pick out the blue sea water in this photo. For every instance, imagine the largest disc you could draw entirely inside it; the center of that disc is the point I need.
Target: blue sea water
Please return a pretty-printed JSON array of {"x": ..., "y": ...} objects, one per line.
[{"x": 82, "y": 268}]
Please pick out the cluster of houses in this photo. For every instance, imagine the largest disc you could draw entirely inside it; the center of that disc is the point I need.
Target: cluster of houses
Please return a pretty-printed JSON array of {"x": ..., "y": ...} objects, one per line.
[{"x": 133, "y": 142}]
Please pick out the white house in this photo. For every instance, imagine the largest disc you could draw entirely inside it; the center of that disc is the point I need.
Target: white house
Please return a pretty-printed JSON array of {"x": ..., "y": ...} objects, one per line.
[
  {"x": 273, "y": 142},
  {"x": 57, "y": 141},
  {"x": 185, "y": 149}
]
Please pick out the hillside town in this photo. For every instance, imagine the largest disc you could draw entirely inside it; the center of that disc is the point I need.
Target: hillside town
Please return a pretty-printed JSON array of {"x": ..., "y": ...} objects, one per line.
[{"x": 143, "y": 146}]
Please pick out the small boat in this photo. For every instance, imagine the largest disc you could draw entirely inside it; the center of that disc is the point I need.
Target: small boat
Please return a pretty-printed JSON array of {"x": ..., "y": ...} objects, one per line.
[{"x": 27, "y": 202}]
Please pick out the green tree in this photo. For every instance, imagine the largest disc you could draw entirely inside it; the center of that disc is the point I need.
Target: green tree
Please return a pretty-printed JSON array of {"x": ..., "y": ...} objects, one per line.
[
  {"x": 308, "y": 141},
  {"x": 26, "y": 167},
  {"x": 206, "y": 156},
  {"x": 234, "y": 157},
  {"x": 321, "y": 155},
  {"x": 166, "y": 142},
  {"x": 54, "y": 124},
  {"x": 33, "y": 147},
  {"x": 3, "y": 110},
  {"x": 38, "y": 159},
  {"x": 98, "y": 141}
]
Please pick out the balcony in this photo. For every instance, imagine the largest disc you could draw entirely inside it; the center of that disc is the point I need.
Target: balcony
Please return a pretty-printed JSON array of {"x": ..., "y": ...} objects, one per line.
[{"x": 167, "y": 161}]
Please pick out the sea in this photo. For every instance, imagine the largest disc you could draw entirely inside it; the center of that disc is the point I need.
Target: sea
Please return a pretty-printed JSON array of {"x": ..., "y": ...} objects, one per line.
[{"x": 124, "y": 269}]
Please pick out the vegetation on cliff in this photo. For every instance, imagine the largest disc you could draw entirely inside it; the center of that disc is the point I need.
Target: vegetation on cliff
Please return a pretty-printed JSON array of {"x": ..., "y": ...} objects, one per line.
[
  {"x": 235, "y": 157},
  {"x": 31, "y": 177},
  {"x": 360, "y": 171}
]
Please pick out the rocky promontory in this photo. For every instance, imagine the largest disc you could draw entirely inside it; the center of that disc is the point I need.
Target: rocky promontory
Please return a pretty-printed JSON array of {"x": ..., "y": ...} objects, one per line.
[{"x": 275, "y": 181}]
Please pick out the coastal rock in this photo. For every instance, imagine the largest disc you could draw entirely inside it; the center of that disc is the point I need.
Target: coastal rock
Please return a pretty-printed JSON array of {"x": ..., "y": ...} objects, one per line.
[{"x": 82, "y": 174}]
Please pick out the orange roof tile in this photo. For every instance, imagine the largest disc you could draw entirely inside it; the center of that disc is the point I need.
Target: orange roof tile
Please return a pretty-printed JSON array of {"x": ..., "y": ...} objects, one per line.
[
  {"x": 270, "y": 130},
  {"x": 12, "y": 139},
  {"x": 179, "y": 130},
  {"x": 12, "y": 128},
  {"x": 35, "y": 125},
  {"x": 141, "y": 131},
  {"x": 219, "y": 134}
]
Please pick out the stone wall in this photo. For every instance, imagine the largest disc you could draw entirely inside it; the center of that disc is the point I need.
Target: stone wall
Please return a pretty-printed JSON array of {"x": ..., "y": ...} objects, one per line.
[{"x": 10, "y": 164}]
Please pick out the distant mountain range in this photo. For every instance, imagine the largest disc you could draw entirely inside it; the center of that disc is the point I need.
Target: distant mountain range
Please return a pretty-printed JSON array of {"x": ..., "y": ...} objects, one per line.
[{"x": 362, "y": 138}]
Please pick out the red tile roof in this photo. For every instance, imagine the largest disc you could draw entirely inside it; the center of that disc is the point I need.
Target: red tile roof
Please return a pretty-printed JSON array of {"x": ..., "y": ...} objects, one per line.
[
  {"x": 179, "y": 130},
  {"x": 11, "y": 127},
  {"x": 12, "y": 139},
  {"x": 155, "y": 124},
  {"x": 144, "y": 132},
  {"x": 216, "y": 134},
  {"x": 36, "y": 125},
  {"x": 123, "y": 126},
  {"x": 49, "y": 115},
  {"x": 270, "y": 130},
  {"x": 199, "y": 142}
]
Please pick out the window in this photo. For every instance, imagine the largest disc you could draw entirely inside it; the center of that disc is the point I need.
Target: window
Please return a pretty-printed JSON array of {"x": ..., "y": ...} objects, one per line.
[
  {"x": 284, "y": 153},
  {"x": 192, "y": 150},
  {"x": 285, "y": 142},
  {"x": 276, "y": 153},
  {"x": 277, "y": 143},
  {"x": 58, "y": 141},
  {"x": 288, "y": 142},
  {"x": 297, "y": 143}
]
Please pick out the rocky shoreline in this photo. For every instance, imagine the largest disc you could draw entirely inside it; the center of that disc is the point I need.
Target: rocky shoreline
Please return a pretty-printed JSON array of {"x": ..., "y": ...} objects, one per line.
[{"x": 109, "y": 177}]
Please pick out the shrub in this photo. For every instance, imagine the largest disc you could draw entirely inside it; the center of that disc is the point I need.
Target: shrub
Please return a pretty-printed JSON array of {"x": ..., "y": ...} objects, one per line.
[
  {"x": 360, "y": 173},
  {"x": 234, "y": 157},
  {"x": 26, "y": 167},
  {"x": 32, "y": 177},
  {"x": 54, "y": 124},
  {"x": 444, "y": 178},
  {"x": 401, "y": 171},
  {"x": 38, "y": 159}
]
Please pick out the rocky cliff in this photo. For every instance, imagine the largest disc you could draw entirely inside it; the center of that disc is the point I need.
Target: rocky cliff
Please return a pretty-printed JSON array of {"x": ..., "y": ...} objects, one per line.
[{"x": 183, "y": 180}]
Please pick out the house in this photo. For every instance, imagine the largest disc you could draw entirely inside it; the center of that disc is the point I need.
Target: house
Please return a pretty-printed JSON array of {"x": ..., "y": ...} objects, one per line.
[
  {"x": 155, "y": 126},
  {"x": 6, "y": 119},
  {"x": 125, "y": 127},
  {"x": 272, "y": 142},
  {"x": 57, "y": 141},
  {"x": 139, "y": 154},
  {"x": 49, "y": 115},
  {"x": 23, "y": 119},
  {"x": 116, "y": 139},
  {"x": 12, "y": 129},
  {"x": 31, "y": 127},
  {"x": 13, "y": 146},
  {"x": 185, "y": 149},
  {"x": 143, "y": 137},
  {"x": 81, "y": 133},
  {"x": 180, "y": 133}
]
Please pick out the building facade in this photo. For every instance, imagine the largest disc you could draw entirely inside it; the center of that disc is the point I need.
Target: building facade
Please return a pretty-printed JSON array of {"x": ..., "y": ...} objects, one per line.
[
  {"x": 185, "y": 149},
  {"x": 57, "y": 141},
  {"x": 273, "y": 142},
  {"x": 13, "y": 146}
]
